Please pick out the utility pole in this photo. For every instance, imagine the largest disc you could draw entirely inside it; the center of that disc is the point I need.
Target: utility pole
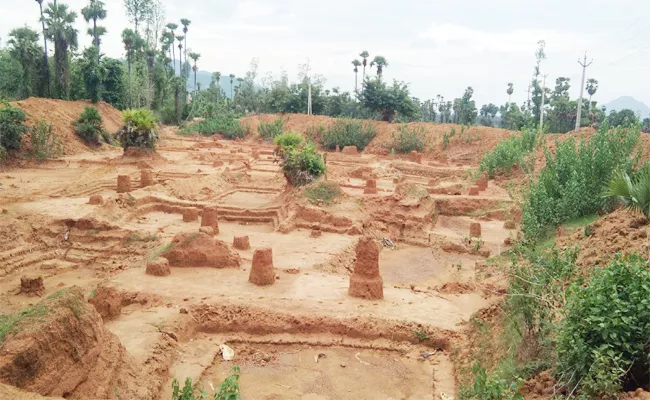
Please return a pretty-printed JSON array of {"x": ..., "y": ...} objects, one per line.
[
  {"x": 541, "y": 108},
  {"x": 528, "y": 101},
  {"x": 582, "y": 90}
]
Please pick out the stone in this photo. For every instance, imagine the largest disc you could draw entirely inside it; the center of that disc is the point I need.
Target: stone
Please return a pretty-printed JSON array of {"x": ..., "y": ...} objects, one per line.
[
  {"x": 32, "y": 285},
  {"x": 475, "y": 229},
  {"x": 190, "y": 214},
  {"x": 146, "y": 177},
  {"x": 96, "y": 199},
  {"x": 158, "y": 267},
  {"x": 123, "y": 184},
  {"x": 365, "y": 281},
  {"x": 262, "y": 272},
  {"x": 209, "y": 218},
  {"x": 241, "y": 243},
  {"x": 473, "y": 191}
]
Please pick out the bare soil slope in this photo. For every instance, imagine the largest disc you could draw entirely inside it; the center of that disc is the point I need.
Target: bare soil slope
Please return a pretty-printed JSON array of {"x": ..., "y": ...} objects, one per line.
[{"x": 61, "y": 114}]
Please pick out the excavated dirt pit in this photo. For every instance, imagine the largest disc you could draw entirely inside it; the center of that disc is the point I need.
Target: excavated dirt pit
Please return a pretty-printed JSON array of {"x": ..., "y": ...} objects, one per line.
[{"x": 302, "y": 337}]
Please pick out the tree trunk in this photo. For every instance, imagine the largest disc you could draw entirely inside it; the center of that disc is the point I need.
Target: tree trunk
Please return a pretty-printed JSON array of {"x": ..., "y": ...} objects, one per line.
[
  {"x": 186, "y": 71},
  {"x": 46, "y": 92},
  {"x": 194, "y": 78},
  {"x": 130, "y": 92},
  {"x": 173, "y": 56},
  {"x": 96, "y": 38},
  {"x": 356, "y": 86},
  {"x": 589, "y": 109}
]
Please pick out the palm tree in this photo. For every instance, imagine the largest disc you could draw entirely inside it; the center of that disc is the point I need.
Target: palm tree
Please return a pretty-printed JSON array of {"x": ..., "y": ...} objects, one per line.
[
  {"x": 172, "y": 27},
  {"x": 128, "y": 38},
  {"x": 633, "y": 193},
  {"x": 217, "y": 77},
  {"x": 380, "y": 62},
  {"x": 60, "y": 29},
  {"x": 510, "y": 90},
  {"x": 364, "y": 56},
  {"x": 592, "y": 88},
  {"x": 24, "y": 48},
  {"x": 356, "y": 64},
  {"x": 94, "y": 11},
  {"x": 195, "y": 57},
  {"x": 180, "y": 54},
  {"x": 232, "y": 77},
  {"x": 185, "y": 22},
  {"x": 46, "y": 66}
]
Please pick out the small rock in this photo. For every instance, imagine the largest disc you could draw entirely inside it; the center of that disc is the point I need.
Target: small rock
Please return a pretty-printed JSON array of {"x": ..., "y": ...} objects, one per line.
[
  {"x": 343, "y": 365},
  {"x": 183, "y": 311}
]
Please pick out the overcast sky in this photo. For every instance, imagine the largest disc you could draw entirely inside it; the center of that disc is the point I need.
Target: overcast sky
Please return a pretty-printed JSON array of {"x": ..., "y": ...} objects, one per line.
[{"x": 438, "y": 47}]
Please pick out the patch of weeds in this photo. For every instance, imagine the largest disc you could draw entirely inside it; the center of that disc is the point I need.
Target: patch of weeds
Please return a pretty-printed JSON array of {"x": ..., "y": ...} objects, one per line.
[
  {"x": 478, "y": 244},
  {"x": 406, "y": 139},
  {"x": 421, "y": 335},
  {"x": 315, "y": 133},
  {"x": 348, "y": 132},
  {"x": 415, "y": 191},
  {"x": 268, "y": 131},
  {"x": 9, "y": 323},
  {"x": 92, "y": 232},
  {"x": 323, "y": 191},
  {"x": 136, "y": 237},
  {"x": 74, "y": 304},
  {"x": 92, "y": 294},
  {"x": 229, "y": 389},
  {"x": 161, "y": 250},
  {"x": 45, "y": 143}
]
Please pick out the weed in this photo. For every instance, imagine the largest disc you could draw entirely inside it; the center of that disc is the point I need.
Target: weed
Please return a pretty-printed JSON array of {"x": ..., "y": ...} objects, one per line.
[
  {"x": 92, "y": 293},
  {"x": 288, "y": 140},
  {"x": 421, "y": 335},
  {"x": 459, "y": 266},
  {"x": 323, "y": 191},
  {"x": 229, "y": 389},
  {"x": 10, "y": 322},
  {"x": 136, "y": 237},
  {"x": 45, "y": 143},
  {"x": 407, "y": 140},
  {"x": 494, "y": 389},
  {"x": 508, "y": 153},
  {"x": 227, "y": 125},
  {"x": 268, "y": 131},
  {"x": 315, "y": 133},
  {"x": 161, "y": 250},
  {"x": 348, "y": 132},
  {"x": 479, "y": 243}
]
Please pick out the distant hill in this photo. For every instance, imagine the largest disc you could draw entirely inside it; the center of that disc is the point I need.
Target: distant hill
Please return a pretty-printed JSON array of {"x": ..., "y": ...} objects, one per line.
[
  {"x": 629, "y": 103},
  {"x": 204, "y": 78}
]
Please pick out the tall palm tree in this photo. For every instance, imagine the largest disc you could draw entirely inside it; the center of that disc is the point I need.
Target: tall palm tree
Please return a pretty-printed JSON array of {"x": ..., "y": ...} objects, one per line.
[
  {"x": 633, "y": 192},
  {"x": 128, "y": 37},
  {"x": 592, "y": 88},
  {"x": 195, "y": 57},
  {"x": 172, "y": 27},
  {"x": 180, "y": 54},
  {"x": 364, "y": 61},
  {"x": 381, "y": 63},
  {"x": 510, "y": 91},
  {"x": 94, "y": 11},
  {"x": 60, "y": 29},
  {"x": 217, "y": 76},
  {"x": 24, "y": 48},
  {"x": 232, "y": 77},
  {"x": 356, "y": 64},
  {"x": 185, "y": 22},
  {"x": 46, "y": 65}
]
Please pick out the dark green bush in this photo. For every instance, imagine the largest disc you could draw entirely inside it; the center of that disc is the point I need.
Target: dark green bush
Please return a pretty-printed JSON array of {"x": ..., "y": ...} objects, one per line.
[
  {"x": 268, "y": 131},
  {"x": 571, "y": 184},
  {"x": 509, "y": 153},
  {"x": 139, "y": 129},
  {"x": 408, "y": 139},
  {"x": 301, "y": 165},
  {"x": 45, "y": 143},
  {"x": 287, "y": 140},
  {"x": 603, "y": 341},
  {"x": 227, "y": 125},
  {"x": 348, "y": 132},
  {"x": 89, "y": 126},
  {"x": 12, "y": 127}
]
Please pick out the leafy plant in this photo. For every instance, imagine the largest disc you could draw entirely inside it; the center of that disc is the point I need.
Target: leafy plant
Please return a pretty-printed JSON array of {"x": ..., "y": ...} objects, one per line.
[
  {"x": 603, "y": 339},
  {"x": 227, "y": 125},
  {"x": 508, "y": 153},
  {"x": 229, "y": 389},
  {"x": 268, "y": 131},
  {"x": 323, "y": 191},
  {"x": 288, "y": 140},
  {"x": 302, "y": 166},
  {"x": 633, "y": 193},
  {"x": 45, "y": 143},
  {"x": 408, "y": 139},
  {"x": 89, "y": 126},
  {"x": 485, "y": 388},
  {"x": 315, "y": 133},
  {"x": 139, "y": 129},
  {"x": 421, "y": 335},
  {"x": 348, "y": 132},
  {"x": 12, "y": 127}
]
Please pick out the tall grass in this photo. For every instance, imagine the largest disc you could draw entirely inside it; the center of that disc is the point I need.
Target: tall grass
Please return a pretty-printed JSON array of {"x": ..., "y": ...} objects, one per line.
[
  {"x": 509, "y": 153},
  {"x": 348, "y": 132},
  {"x": 227, "y": 125}
]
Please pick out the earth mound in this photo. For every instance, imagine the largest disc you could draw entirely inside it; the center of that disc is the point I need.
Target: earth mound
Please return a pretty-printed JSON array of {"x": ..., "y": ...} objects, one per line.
[{"x": 200, "y": 250}]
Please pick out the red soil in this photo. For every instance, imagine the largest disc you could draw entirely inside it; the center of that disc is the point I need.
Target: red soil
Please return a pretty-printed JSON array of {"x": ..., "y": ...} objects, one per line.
[
  {"x": 200, "y": 250},
  {"x": 262, "y": 272},
  {"x": 365, "y": 281}
]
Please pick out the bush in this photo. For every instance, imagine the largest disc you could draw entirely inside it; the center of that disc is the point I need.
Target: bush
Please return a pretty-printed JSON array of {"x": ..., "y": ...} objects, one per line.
[
  {"x": 485, "y": 388},
  {"x": 269, "y": 131},
  {"x": 227, "y": 125},
  {"x": 407, "y": 140},
  {"x": 301, "y": 165},
  {"x": 508, "y": 153},
  {"x": 571, "y": 184},
  {"x": 139, "y": 129},
  {"x": 348, "y": 132},
  {"x": 605, "y": 332},
  {"x": 229, "y": 389},
  {"x": 89, "y": 126},
  {"x": 288, "y": 140},
  {"x": 323, "y": 191},
  {"x": 12, "y": 127},
  {"x": 45, "y": 143}
]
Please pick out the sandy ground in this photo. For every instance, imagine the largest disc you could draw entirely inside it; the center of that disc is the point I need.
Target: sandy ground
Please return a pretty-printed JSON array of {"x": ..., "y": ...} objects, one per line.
[{"x": 429, "y": 273}]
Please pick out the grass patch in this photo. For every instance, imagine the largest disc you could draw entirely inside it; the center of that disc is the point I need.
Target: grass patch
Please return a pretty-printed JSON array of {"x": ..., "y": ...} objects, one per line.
[
  {"x": 348, "y": 132},
  {"x": 406, "y": 139},
  {"x": 509, "y": 153},
  {"x": 326, "y": 192},
  {"x": 161, "y": 250},
  {"x": 136, "y": 237},
  {"x": 227, "y": 125},
  {"x": 269, "y": 131},
  {"x": 10, "y": 323}
]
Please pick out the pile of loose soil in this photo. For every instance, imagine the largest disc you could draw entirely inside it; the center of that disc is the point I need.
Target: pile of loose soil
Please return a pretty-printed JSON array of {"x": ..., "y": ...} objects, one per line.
[{"x": 61, "y": 114}]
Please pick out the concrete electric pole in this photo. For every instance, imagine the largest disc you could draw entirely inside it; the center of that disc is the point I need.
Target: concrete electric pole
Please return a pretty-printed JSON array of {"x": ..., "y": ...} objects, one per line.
[
  {"x": 582, "y": 90},
  {"x": 541, "y": 108}
]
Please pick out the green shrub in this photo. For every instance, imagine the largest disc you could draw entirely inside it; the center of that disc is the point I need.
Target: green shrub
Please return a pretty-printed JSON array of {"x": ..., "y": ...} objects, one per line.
[
  {"x": 509, "y": 153},
  {"x": 315, "y": 133},
  {"x": 12, "y": 127},
  {"x": 408, "y": 139},
  {"x": 139, "y": 129},
  {"x": 268, "y": 131},
  {"x": 227, "y": 125},
  {"x": 45, "y": 143},
  {"x": 571, "y": 184},
  {"x": 288, "y": 140},
  {"x": 485, "y": 388},
  {"x": 323, "y": 191},
  {"x": 348, "y": 132},
  {"x": 89, "y": 126},
  {"x": 229, "y": 389},
  {"x": 605, "y": 333},
  {"x": 301, "y": 165}
]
